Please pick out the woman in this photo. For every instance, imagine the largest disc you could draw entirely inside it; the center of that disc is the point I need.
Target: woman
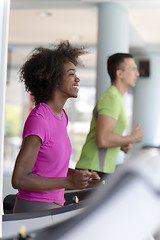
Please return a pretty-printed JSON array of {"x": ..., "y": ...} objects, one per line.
[{"x": 41, "y": 171}]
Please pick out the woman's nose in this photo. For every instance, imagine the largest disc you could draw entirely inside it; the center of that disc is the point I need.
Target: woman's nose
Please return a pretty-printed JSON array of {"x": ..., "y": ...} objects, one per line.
[{"x": 77, "y": 79}]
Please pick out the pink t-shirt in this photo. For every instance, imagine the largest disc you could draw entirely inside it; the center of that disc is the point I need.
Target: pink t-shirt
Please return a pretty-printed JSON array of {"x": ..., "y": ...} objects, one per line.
[{"x": 54, "y": 154}]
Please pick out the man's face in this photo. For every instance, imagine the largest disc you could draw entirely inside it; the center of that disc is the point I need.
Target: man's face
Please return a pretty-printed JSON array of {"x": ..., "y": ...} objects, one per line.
[{"x": 129, "y": 72}]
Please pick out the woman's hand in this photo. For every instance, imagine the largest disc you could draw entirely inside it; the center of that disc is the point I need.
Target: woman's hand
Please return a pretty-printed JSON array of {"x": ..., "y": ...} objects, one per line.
[
  {"x": 83, "y": 178},
  {"x": 79, "y": 180},
  {"x": 94, "y": 178}
]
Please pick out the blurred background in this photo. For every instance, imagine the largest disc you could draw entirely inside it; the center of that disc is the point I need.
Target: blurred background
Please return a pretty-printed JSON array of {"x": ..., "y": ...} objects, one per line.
[{"x": 42, "y": 23}]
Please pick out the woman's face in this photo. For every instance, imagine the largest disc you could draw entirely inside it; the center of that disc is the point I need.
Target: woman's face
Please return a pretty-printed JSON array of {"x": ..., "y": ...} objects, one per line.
[{"x": 70, "y": 81}]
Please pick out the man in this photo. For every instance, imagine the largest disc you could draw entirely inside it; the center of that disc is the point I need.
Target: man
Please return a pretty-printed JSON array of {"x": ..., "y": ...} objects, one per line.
[{"x": 109, "y": 120}]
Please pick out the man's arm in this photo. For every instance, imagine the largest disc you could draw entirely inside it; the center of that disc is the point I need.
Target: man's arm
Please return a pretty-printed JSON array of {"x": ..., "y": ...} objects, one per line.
[{"x": 106, "y": 138}]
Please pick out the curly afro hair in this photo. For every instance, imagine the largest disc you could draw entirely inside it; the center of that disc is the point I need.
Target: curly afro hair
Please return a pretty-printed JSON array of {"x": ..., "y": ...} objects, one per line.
[{"x": 43, "y": 71}]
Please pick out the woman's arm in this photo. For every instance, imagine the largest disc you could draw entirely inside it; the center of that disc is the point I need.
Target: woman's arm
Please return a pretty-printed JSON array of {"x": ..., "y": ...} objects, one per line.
[{"x": 24, "y": 179}]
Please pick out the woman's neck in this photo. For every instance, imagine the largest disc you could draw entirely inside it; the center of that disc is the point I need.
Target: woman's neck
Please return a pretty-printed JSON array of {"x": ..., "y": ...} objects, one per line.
[{"x": 56, "y": 104}]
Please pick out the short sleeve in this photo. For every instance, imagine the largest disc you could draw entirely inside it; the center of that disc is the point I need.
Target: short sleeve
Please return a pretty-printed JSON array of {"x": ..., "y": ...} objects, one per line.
[
  {"x": 35, "y": 125},
  {"x": 109, "y": 105}
]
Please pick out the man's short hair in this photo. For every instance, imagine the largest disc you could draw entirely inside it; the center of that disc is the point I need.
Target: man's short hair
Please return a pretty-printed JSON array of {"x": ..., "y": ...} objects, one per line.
[{"x": 114, "y": 63}]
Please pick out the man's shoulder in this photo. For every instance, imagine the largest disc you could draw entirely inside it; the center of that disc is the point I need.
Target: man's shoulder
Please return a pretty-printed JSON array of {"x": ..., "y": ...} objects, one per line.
[{"x": 108, "y": 95}]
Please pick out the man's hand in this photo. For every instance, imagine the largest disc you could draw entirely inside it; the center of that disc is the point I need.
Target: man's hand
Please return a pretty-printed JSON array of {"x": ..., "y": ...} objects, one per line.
[
  {"x": 137, "y": 134},
  {"x": 126, "y": 148}
]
